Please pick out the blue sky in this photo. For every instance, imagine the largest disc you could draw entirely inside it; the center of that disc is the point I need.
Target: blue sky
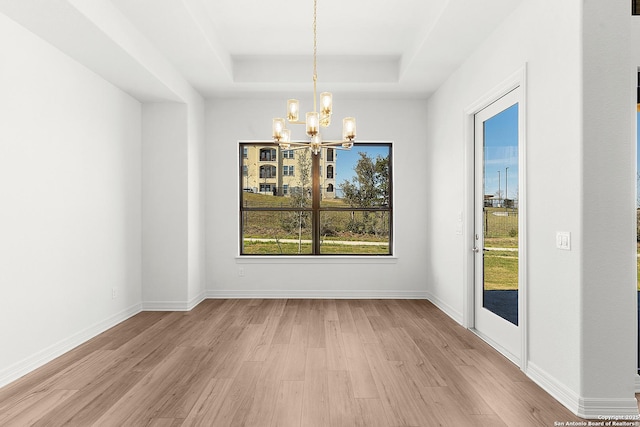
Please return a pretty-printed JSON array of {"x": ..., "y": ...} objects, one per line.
[
  {"x": 501, "y": 152},
  {"x": 346, "y": 159}
]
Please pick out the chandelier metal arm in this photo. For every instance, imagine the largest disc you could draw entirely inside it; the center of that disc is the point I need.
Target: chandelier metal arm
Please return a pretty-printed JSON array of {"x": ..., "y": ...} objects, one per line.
[{"x": 323, "y": 144}]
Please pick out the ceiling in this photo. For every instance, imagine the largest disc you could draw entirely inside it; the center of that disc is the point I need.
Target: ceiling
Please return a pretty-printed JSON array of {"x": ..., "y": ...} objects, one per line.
[{"x": 232, "y": 47}]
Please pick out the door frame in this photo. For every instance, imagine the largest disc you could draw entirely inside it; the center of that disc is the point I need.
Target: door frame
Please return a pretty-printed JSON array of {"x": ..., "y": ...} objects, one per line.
[{"x": 517, "y": 79}]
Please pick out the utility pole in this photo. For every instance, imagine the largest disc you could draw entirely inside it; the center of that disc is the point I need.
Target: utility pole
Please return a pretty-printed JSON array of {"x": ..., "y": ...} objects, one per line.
[
  {"x": 506, "y": 185},
  {"x": 499, "y": 194}
]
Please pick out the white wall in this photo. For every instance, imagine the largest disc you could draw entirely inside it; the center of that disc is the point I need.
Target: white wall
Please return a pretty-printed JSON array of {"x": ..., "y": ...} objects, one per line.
[
  {"x": 173, "y": 239},
  {"x": 399, "y": 121},
  {"x": 562, "y": 287},
  {"x": 196, "y": 201},
  {"x": 164, "y": 204},
  {"x": 69, "y": 202},
  {"x": 609, "y": 296}
]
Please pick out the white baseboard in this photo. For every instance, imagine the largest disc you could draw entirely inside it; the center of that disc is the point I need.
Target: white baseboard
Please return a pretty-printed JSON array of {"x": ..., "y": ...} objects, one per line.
[
  {"x": 583, "y": 407},
  {"x": 444, "y": 307},
  {"x": 174, "y": 305},
  {"x": 46, "y": 355},
  {"x": 618, "y": 409},
  {"x": 559, "y": 391},
  {"x": 320, "y": 294}
]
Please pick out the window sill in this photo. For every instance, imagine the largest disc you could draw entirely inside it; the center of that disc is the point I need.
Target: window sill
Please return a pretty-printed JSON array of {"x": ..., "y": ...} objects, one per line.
[{"x": 310, "y": 259}]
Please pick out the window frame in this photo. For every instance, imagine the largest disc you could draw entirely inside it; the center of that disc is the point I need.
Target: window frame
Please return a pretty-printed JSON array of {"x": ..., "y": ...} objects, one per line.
[{"x": 316, "y": 209}]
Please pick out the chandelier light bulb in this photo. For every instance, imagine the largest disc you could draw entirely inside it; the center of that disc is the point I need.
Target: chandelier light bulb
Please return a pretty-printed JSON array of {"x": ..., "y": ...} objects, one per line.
[
  {"x": 313, "y": 123},
  {"x": 278, "y": 128},
  {"x": 286, "y": 136},
  {"x": 348, "y": 128},
  {"x": 293, "y": 110},
  {"x": 285, "y": 142},
  {"x": 326, "y": 102}
]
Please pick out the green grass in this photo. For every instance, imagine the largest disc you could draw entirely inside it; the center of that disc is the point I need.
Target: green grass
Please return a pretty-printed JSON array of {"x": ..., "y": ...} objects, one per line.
[
  {"x": 501, "y": 267},
  {"x": 283, "y": 225},
  {"x": 501, "y": 242},
  {"x": 500, "y": 270},
  {"x": 275, "y": 248},
  {"x": 500, "y": 222}
]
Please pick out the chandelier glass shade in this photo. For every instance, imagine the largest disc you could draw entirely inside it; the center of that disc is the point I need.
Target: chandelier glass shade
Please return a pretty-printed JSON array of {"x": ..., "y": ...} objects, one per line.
[{"x": 315, "y": 119}]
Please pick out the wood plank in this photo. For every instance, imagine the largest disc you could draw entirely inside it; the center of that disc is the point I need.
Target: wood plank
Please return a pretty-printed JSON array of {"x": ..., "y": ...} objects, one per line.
[
  {"x": 316, "y": 329},
  {"x": 363, "y": 384},
  {"x": 165, "y": 422},
  {"x": 209, "y": 403},
  {"x": 335, "y": 349},
  {"x": 443, "y": 406},
  {"x": 160, "y": 393},
  {"x": 363, "y": 326},
  {"x": 343, "y": 409},
  {"x": 265, "y": 395},
  {"x": 31, "y": 409},
  {"x": 346, "y": 318},
  {"x": 261, "y": 347},
  {"x": 288, "y": 410},
  {"x": 296, "y": 362},
  {"x": 315, "y": 403},
  {"x": 285, "y": 325},
  {"x": 330, "y": 309},
  {"x": 372, "y": 413},
  {"x": 239, "y": 395},
  {"x": 97, "y": 397},
  {"x": 236, "y": 352},
  {"x": 398, "y": 399}
]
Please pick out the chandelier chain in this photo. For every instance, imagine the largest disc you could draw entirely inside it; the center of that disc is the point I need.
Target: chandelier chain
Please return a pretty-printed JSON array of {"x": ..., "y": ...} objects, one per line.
[{"x": 315, "y": 53}]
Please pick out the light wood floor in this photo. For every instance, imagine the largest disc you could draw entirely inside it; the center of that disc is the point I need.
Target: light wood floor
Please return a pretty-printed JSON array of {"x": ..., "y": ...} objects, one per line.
[{"x": 282, "y": 363}]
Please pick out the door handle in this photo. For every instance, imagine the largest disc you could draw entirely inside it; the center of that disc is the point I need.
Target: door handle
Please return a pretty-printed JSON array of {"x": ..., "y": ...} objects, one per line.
[{"x": 476, "y": 249}]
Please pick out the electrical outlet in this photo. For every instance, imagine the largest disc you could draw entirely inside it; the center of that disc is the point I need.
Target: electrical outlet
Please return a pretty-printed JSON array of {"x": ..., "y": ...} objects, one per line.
[
  {"x": 114, "y": 293},
  {"x": 241, "y": 272}
]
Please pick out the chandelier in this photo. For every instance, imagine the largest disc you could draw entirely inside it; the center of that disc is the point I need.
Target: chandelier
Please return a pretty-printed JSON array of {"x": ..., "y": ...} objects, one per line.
[{"x": 314, "y": 120}]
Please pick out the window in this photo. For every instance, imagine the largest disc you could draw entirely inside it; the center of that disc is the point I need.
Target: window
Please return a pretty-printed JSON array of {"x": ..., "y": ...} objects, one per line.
[
  {"x": 267, "y": 171},
  {"x": 635, "y": 7},
  {"x": 265, "y": 188},
  {"x": 329, "y": 172},
  {"x": 267, "y": 155},
  {"x": 329, "y": 154},
  {"x": 245, "y": 153},
  {"x": 311, "y": 216},
  {"x": 287, "y": 154}
]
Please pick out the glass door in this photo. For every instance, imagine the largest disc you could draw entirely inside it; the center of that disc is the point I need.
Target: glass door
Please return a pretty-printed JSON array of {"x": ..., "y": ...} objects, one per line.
[{"x": 497, "y": 229}]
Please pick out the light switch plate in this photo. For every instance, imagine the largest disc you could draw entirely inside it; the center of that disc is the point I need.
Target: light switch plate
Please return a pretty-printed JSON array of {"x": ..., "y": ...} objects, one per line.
[{"x": 563, "y": 240}]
